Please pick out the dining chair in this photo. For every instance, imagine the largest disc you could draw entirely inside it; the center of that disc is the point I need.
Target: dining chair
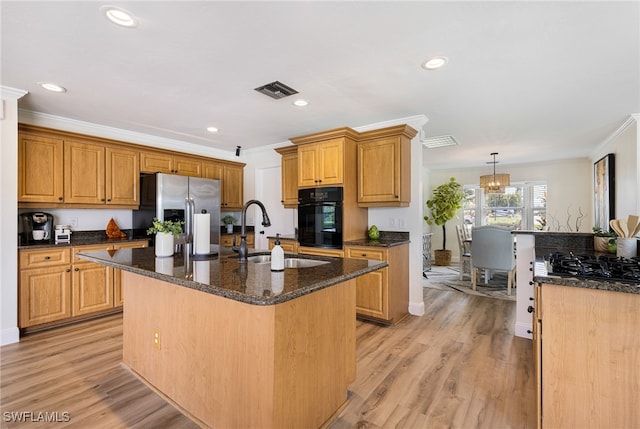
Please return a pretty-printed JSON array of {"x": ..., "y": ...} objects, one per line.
[
  {"x": 492, "y": 250},
  {"x": 465, "y": 253}
]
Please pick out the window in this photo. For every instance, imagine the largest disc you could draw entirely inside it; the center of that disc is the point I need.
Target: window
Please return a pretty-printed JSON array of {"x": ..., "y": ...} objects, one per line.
[{"x": 522, "y": 206}]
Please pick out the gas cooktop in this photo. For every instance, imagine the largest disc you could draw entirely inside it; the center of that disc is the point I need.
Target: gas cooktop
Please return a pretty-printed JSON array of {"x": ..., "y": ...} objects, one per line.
[{"x": 603, "y": 267}]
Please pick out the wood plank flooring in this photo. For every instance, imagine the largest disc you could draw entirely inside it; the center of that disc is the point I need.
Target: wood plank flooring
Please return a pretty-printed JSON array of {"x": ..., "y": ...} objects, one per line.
[{"x": 459, "y": 366}]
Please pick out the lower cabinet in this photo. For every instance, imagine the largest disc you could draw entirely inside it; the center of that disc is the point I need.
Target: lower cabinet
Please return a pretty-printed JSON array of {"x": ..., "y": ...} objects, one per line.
[
  {"x": 383, "y": 295},
  {"x": 289, "y": 245},
  {"x": 56, "y": 285},
  {"x": 118, "y": 300},
  {"x": 586, "y": 351},
  {"x": 226, "y": 240}
]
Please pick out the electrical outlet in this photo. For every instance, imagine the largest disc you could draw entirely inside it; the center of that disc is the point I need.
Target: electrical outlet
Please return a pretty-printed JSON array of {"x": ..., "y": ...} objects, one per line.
[
  {"x": 156, "y": 339},
  {"x": 400, "y": 223},
  {"x": 392, "y": 221},
  {"x": 73, "y": 222}
]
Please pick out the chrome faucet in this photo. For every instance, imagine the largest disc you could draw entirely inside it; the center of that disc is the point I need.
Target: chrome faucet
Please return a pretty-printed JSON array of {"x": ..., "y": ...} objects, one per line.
[{"x": 242, "y": 252}]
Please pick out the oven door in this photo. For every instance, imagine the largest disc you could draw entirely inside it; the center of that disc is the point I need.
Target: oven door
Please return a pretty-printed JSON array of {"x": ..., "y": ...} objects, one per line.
[{"x": 320, "y": 224}]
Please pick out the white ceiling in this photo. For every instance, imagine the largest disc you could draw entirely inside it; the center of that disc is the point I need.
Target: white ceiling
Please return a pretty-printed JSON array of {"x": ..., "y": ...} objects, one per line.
[{"x": 533, "y": 81}]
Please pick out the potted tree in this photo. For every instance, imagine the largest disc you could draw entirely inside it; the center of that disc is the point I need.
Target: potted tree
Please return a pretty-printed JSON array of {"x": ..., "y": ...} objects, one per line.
[
  {"x": 165, "y": 232},
  {"x": 446, "y": 201},
  {"x": 229, "y": 220}
]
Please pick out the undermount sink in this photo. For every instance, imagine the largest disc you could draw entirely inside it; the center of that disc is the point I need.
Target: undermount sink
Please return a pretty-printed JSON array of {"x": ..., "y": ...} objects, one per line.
[{"x": 288, "y": 262}]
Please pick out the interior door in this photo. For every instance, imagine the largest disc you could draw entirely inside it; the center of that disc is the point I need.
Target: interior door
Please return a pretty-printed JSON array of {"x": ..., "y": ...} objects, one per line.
[{"x": 268, "y": 190}]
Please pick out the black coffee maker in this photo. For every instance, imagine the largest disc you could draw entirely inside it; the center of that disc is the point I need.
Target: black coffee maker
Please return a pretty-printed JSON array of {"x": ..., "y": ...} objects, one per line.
[{"x": 37, "y": 227}]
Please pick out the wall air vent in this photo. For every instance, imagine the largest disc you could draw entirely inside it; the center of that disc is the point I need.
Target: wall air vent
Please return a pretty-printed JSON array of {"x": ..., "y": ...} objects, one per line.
[{"x": 276, "y": 90}]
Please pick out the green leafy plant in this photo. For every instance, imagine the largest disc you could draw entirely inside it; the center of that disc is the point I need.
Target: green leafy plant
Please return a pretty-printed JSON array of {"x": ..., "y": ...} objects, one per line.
[
  {"x": 598, "y": 232},
  {"x": 228, "y": 220},
  {"x": 167, "y": 226},
  {"x": 444, "y": 204}
]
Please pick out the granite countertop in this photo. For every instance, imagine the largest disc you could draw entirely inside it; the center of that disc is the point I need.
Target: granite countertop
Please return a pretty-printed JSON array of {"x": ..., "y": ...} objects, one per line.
[
  {"x": 251, "y": 283},
  {"x": 541, "y": 276},
  {"x": 82, "y": 238}
]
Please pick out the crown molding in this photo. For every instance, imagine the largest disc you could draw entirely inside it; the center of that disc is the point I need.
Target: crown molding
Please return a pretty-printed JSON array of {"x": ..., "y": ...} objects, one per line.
[
  {"x": 81, "y": 127},
  {"x": 632, "y": 119},
  {"x": 12, "y": 93}
]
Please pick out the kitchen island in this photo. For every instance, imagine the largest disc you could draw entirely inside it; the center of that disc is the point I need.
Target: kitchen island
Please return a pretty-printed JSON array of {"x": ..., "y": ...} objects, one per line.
[{"x": 236, "y": 345}]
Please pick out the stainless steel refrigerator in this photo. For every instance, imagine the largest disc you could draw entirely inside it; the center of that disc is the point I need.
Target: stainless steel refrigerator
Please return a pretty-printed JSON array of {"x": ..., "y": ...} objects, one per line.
[{"x": 173, "y": 197}]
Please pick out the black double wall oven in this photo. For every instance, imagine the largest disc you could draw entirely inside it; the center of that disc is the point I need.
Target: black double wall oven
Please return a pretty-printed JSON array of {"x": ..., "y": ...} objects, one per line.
[{"x": 320, "y": 217}]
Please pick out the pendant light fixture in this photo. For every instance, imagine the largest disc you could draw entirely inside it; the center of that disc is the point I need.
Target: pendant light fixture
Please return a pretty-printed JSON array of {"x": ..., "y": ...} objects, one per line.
[{"x": 494, "y": 183}]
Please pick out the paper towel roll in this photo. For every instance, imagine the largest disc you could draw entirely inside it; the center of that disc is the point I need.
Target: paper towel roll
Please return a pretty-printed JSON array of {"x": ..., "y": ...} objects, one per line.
[{"x": 201, "y": 234}]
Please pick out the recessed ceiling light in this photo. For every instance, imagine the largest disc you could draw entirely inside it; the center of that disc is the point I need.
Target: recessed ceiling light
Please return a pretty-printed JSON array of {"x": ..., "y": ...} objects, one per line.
[
  {"x": 52, "y": 87},
  {"x": 300, "y": 103},
  {"x": 434, "y": 63},
  {"x": 212, "y": 129},
  {"x": 119, "y": 16}
]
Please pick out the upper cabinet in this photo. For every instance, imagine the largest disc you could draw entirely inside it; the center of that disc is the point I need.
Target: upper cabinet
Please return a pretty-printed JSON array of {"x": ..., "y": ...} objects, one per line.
[
  {"x": 60, "y": 169},
  {"x": 384, "y": 167},
  {"x": 289, "y": 176},
  {"x": 159, "y": 162},
  {"x": 40, "y": 168},
  {"x": 231, "y": 176},
  {"x": 321, "y": 157}
]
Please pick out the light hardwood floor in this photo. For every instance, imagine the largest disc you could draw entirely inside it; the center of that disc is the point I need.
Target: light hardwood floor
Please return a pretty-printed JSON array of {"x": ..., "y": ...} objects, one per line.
[{"x": 459, "y": 366}]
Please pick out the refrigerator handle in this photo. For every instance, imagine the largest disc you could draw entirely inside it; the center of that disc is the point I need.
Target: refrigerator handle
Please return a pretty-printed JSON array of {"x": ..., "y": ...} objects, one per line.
[{"x": 189, "y": 208}]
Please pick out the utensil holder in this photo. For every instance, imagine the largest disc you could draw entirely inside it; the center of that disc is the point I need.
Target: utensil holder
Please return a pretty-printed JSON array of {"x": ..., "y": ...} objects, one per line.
[{"x": 627, "y": 247}]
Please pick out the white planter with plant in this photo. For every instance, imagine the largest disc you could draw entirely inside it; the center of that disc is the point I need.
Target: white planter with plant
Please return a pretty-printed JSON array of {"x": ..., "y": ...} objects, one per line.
[
  {"x": 229, "y": 220},
  {"x": 166, "y": 232},
  {"x": 444, "y": 204}
]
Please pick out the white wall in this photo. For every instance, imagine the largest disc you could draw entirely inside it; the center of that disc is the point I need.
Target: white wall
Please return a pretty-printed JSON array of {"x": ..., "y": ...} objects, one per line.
[
  {"x": 569, "y": 189},
  {"x": 9, "y": 332},
  {"x": 625, "y": 144}
]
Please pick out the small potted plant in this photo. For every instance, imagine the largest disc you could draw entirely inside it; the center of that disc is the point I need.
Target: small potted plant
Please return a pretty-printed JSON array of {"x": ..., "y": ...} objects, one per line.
[
  {"x": 229, "y": 220},
  {"x": 444, "y": 204},
  {"x": 604, "y": 241},
  {"x": 165, "y": 232}
]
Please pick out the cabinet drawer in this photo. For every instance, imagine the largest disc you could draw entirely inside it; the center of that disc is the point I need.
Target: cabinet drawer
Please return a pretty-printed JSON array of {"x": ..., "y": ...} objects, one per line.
[
  {"x": 372, "y": 253},
  {"x": 92, "y": 248},
  {"x": 44, "y": 258},
  {"x": 131, "y": 245},
  {"x": 319, "y": 251}
]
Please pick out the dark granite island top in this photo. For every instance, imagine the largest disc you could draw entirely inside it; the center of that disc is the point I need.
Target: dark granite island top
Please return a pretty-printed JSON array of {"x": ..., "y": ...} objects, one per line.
[{"x": 251, "y": 283}]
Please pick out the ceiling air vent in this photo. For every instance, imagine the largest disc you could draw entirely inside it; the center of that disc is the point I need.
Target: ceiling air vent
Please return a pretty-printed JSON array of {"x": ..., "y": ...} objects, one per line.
[
  {"x": 276, "y": 90},
  {"x": 439, "y": 141}
]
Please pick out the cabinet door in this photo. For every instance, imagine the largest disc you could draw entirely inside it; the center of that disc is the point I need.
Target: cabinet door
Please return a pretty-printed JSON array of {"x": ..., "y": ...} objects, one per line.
[
  {"x": 44, "y": 295},
  {"x": 372, "y": 297},
  {"x": 227, "y": 240},
  {"x": 122, "y": 176},
  {"x": 211, "y": 170},
  {"x": 290, "y": 179},
  {"x": 152, "y": 162},
  {"x": 186, "y": 166},
  {"x": 330, "y": 170},
  {"x": 92, "y": 287},
  {"x": 379, "y": 170},
  {"x": 232, "y": 187},
  {"x": 307, "y": 161},
  {"x": 84, "y": 173},
  {"x": 40, "y": 169}
]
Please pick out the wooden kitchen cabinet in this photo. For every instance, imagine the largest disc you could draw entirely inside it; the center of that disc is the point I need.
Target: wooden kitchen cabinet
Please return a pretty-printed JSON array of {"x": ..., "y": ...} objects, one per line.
[
  {"x": 40, "y": 168},
  {"x": 289, "y": 169},
  {"x": 226, "y": 240},
  {"x": 160, "y": 162},
  {"x": 319, "y": 251},
  {"x": 61, "y": 168},
  {"x": 231, "y": 176},
  {"x": 587, "y": 351},
  {"x": 289, "y": 245},
  {"x": 321, "y": 164},
  {"x": 384, "y": 167},
  {"x": 92, "y": 284},
  {"x": 382, "y": 295},
  {"x": 44, "y": 292}
]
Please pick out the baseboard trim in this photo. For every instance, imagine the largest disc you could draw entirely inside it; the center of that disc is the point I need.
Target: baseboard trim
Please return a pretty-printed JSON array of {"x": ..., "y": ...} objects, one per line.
[
  {"x": 416, "y": 308},
  {"x": 9, "y": 336}
]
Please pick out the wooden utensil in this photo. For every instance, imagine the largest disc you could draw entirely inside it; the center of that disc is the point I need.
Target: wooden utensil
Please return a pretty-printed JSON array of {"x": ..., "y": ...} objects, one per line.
[
  {"x": 615, "y": 225},
  {"x": 632, "y": 224}
]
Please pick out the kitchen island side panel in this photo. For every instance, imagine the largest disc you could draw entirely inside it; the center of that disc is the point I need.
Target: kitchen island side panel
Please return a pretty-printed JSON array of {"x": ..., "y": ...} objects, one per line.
[{"x": 232, "y": 364}]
